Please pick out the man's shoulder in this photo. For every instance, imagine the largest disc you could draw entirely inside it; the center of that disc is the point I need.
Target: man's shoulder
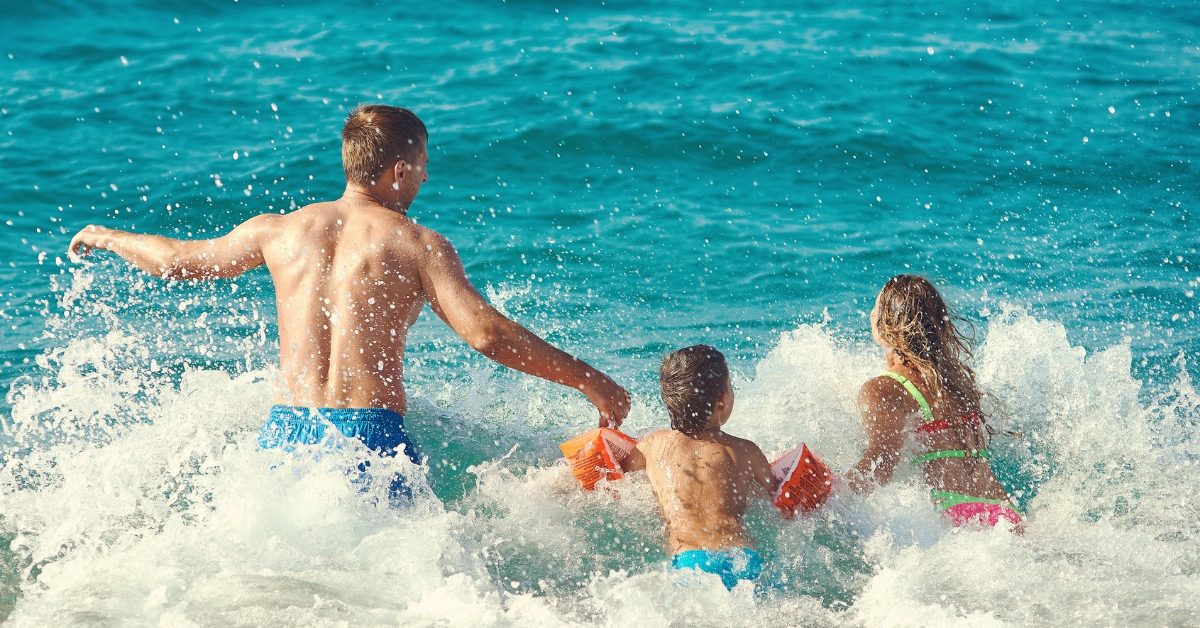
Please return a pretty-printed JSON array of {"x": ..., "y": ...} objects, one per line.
[
  {"x": 310, "y": 208},
  {"x": 434, "y": 245},
  {"x": 391, "y": 222},
  {"x": 306, "y": 215},
  {"x": 428, "y": 236}
]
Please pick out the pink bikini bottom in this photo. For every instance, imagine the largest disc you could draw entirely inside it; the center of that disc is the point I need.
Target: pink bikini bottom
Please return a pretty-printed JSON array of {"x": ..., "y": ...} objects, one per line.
[{"x": 983, "y": 514}]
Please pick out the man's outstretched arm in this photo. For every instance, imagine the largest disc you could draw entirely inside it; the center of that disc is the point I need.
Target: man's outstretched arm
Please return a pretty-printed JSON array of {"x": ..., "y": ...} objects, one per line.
[
  {"x": 227, "y": 256},
  {"x": 489, "y": 332}
]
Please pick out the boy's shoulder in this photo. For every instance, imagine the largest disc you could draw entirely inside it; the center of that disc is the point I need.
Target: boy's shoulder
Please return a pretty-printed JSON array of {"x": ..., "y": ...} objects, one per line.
[
  {"x": 738, "y": 443},
  {"x": 665, "y": 437},
  {"x": 659, "y": 442},
  {"x": 654, "y": 437}
]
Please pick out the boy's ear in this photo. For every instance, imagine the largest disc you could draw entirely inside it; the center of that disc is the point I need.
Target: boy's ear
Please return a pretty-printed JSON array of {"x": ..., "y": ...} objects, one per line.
[{"x": 726, "y": 402}]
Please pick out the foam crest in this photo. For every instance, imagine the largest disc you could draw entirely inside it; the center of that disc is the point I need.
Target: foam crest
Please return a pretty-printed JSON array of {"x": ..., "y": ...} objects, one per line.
[
  {"x": 805, "y": 390},
  {"x": 1106, "y": 514}
]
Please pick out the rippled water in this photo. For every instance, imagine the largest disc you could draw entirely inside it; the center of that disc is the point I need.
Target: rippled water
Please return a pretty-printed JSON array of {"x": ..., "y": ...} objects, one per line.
[{"x": 624, "y": 179}]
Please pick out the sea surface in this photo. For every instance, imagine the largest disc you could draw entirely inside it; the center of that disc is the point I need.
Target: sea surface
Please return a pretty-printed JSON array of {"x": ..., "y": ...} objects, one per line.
[{"x": 624, "y": 178}]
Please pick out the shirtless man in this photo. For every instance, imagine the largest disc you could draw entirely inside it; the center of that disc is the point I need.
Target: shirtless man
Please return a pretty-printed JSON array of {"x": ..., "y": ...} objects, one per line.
[
  {"x": 703, "y": 478},
  {"x": 350, "y": 278}
]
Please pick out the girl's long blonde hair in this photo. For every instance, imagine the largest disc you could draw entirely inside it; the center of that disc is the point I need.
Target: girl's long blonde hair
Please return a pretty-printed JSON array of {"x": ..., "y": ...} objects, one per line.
[{"x": 915, "y": 322}]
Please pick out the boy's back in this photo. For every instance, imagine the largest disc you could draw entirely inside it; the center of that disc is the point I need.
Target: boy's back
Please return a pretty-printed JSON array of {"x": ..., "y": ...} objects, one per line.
[
  {"x": 704, "y": 484},
  {"x": 704, "y": 478}
]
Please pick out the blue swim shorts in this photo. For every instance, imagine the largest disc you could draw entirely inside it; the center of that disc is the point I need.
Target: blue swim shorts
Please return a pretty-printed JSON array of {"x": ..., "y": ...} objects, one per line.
[
  {"x": 732, "y": 565},
  {"x": 380, "y": 429}
]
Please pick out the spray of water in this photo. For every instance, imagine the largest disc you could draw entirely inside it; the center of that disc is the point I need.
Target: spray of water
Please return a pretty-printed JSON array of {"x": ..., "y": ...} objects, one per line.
[{"x": 131, "y": 492}]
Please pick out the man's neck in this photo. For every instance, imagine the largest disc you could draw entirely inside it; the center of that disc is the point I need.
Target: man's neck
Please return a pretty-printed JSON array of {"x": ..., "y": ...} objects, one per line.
[{"x": 361, "y": 195}]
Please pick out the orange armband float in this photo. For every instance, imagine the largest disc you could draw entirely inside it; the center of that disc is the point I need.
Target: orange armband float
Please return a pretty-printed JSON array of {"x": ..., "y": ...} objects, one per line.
[
  {"x": 597, "y": 455},
  {"x": 804, "y": 481}
]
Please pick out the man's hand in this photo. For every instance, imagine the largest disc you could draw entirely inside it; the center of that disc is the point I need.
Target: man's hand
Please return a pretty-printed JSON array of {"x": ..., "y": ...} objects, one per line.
[
  {"x": 609, "y": 398},
  {"x": 88, "y": 238},
  {"x": 453, "y": 298}
]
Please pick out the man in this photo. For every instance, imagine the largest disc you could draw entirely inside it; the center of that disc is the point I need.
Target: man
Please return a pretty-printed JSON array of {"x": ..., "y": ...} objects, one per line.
[{"x": 350, "y": 278}]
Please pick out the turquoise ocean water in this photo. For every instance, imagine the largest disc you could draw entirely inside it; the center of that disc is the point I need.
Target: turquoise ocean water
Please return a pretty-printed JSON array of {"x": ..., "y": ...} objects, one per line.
[{"x": 624, "y": 179}]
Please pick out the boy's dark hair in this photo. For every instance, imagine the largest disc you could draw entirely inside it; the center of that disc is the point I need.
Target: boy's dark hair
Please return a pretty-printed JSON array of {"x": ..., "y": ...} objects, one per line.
[
  {"x": 693, "y": 380},
  {"x": 376, "y": 137}
]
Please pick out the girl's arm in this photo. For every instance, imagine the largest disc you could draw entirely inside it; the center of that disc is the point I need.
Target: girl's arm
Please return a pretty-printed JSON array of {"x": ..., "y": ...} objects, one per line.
[{"x": 884, "y": 406}]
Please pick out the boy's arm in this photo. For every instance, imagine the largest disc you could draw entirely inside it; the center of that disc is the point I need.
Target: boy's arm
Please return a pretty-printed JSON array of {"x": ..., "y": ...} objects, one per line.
[
  {"x": 455, "y": 301},
  {"x": 762, "y": 470},
  {"x": 882, "y": 403},
  {"x": 227, "y": 256},
  {"x": 636, "y": 460}
]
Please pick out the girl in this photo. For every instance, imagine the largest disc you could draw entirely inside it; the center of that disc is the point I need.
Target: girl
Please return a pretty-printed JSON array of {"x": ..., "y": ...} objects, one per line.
[{"x": 928, "y": 389}]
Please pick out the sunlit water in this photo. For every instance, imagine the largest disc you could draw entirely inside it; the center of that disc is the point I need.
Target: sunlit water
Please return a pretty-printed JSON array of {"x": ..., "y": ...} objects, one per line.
[{"x": 624, "y": 180}]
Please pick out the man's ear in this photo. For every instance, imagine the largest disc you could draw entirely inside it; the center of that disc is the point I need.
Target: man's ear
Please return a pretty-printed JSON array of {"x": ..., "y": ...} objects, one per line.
[{"x": 399, "y": 169}]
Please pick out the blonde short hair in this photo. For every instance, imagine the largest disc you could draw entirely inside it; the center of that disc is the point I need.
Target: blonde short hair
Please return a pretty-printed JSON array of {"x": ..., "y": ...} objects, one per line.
[{"x": 377, "y": 136}]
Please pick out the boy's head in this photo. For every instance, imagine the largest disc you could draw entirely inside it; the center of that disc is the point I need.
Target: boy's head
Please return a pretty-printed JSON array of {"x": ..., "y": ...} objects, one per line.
[{"x": 696, "y": 389}]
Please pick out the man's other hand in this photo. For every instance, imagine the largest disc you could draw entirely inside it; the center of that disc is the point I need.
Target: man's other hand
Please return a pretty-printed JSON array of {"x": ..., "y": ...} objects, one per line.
[{"x": 610, "y": 399}]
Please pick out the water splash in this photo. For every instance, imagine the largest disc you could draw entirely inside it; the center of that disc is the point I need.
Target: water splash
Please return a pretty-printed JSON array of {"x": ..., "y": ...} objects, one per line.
[{"x": 134, "y": 494}]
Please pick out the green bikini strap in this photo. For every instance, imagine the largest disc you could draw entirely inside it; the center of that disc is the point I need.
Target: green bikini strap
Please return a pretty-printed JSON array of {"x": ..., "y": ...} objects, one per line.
[
  {"x": 944, "y": 500},
  {"x": 951, "y": 453},
  {"x": 926, "y": 411}
]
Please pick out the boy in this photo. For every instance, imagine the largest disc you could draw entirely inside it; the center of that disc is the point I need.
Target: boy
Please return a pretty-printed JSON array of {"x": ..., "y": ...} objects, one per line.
[{"x": 703, "y": 478}]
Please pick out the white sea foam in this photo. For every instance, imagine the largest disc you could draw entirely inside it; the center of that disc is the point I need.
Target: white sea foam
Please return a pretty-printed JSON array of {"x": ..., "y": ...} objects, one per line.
[{"x": 135, "y": 495}]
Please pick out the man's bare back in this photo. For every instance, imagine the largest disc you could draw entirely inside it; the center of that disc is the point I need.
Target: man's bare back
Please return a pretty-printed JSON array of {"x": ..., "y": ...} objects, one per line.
[
  {"x": 352, "y": 275},
  {"x": 704, "y": 484},
  {"x": 348, "y": 284}
]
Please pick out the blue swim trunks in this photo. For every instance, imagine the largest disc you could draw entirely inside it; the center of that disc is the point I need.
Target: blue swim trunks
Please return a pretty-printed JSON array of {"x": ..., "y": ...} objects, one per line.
[
  {"x": 731, "y": 565},
  {"x": 380, "y": 429}
]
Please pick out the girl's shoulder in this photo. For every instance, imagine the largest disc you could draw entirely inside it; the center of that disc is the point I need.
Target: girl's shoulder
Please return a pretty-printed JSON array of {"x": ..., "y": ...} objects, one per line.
[
  {"x": 885, "y": 394},
  {"x": 882, "y": 386}
]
